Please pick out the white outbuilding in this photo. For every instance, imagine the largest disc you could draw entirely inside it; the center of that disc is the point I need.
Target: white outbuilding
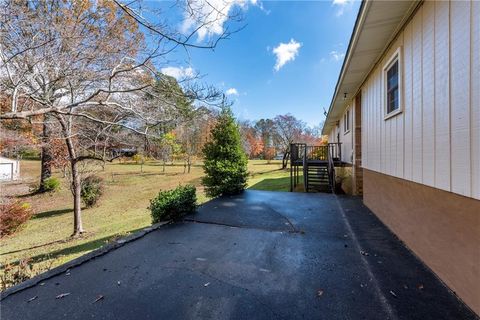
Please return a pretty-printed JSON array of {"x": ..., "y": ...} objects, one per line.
[{"x": 9, "y": 169}]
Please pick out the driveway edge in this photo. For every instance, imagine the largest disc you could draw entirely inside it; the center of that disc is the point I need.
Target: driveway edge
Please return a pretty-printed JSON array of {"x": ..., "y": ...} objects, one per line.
[{"x": 82, "y": 259}]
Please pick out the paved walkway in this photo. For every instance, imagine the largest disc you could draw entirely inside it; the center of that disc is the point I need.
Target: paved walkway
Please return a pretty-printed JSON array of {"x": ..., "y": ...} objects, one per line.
[{"x": 260, "y": 255}]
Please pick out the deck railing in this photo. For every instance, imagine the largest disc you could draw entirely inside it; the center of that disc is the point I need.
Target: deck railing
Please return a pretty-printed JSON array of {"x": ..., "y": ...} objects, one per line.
[
  {"x": 302, "y": 155},
  {"x": 300, "y": 152}
]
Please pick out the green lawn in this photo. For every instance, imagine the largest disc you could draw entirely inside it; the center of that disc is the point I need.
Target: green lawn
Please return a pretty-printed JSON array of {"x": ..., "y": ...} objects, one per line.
[{"x": 45, "y": 239}]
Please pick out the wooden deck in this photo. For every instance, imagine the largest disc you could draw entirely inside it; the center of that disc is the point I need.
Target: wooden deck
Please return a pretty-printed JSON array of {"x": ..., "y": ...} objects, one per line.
[{"x": 314, "y": 166}]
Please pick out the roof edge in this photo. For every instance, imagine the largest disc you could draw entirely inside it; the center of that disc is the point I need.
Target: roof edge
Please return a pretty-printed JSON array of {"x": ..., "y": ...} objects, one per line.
[{"x": 358, "y": 23}]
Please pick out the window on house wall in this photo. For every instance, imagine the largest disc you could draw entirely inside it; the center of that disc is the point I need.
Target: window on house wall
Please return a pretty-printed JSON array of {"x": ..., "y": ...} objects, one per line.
[
  {"x": 346, "y": 122},
  {"x": 392, "y": 85}
]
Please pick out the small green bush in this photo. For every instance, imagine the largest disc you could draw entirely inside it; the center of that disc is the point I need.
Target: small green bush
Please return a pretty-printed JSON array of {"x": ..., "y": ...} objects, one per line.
[
  {"x": 91, "y": 190},
  {"x": 172, "y": 204},
  {"x": 138, "y": 158},
  {"x": 51, "y": 184}
]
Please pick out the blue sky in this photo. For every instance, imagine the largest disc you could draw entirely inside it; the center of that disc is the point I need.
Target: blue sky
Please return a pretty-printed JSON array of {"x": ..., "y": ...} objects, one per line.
[{"x": 285, "y": 60}]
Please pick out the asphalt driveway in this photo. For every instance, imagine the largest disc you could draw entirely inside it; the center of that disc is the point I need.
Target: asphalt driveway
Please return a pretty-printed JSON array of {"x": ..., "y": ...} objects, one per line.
[{"x": 260, "y": 255}]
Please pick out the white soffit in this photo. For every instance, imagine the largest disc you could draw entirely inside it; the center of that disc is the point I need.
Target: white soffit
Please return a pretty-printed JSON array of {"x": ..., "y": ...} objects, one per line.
[{"x": 377, "y": 24}]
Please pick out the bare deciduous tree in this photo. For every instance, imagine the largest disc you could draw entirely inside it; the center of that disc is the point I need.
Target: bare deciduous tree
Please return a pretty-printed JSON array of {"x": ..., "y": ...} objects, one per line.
[
  {"x": 91, "y": 67},
  {"x": 288, "y": 130}
]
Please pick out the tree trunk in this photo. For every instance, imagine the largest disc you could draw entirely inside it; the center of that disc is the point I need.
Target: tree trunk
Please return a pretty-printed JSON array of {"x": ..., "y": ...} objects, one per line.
[
  {"x": 285, "y": 160},
  {"x": 46, "y": 164},
  {"x": 77, "y": 204},
  {"x": 76, "y": 179}
]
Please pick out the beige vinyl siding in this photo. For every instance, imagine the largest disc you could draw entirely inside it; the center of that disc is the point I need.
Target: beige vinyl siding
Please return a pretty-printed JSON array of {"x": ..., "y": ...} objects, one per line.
[
  {"x": 475, "y": 99},
  {"x": 428, "y": 94},
  {"x": 442, "y": 97},
  {"x": 407, "y": 115},
  {"x": 345, "y": 138},
  {"x": 435, "y": 141},
  {"x": 460, "y": 97},
  {"x": 332, "y": 137}
]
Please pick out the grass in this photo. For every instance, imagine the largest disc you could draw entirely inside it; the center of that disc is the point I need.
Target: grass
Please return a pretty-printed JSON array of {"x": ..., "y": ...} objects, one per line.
[{"x": 45, "y": 239}]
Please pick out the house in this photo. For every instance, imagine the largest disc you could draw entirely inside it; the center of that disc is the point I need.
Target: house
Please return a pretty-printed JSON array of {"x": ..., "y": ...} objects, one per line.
[
  {"x": 9, "y": 169},
  {"x": 406, "y": 110}
]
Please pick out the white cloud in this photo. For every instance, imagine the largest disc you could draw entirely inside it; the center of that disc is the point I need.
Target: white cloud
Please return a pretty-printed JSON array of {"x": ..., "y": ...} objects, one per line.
[
  {"x": 178, "y": 72},
  {"x": 286, "y": 52},
  {"x": 336, "y": 55},
  {"x": 342, "y": 5},
  {"x": 211, "y": 15},
  {"x": 231, "y": 92}
]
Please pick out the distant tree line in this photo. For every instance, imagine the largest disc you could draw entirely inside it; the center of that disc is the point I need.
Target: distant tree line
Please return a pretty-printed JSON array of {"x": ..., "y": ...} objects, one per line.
[{"x": 267, "y": 138}]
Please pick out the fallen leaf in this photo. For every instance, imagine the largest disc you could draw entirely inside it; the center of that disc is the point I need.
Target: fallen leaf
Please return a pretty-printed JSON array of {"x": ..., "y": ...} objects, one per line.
[
  {"x": 393, "y": 294},
  {"x": 206, "y": 284},
  {"x": 32, "y": 298},
  {"x": 62, "y": 295},
  {"x": 99, "y": 297}
]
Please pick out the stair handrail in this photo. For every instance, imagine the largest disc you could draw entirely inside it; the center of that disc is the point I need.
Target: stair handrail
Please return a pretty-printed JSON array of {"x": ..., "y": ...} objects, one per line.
[
  {"x": 331, "y": 170},
  {"x": 305, "y": 169}
]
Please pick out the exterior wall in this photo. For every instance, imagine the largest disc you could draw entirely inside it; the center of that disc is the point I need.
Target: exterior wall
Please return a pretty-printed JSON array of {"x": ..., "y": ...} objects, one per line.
[
  {"x": 435, "y": 141},
  {"x": 332, "y": 137},
  {"x": 345, "y": 138},
  {"x": 442, "y": 228}
]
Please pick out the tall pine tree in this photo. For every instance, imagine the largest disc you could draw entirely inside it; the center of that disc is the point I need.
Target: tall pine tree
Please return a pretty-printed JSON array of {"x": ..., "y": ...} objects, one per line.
[{"x": 225, "y": 162}]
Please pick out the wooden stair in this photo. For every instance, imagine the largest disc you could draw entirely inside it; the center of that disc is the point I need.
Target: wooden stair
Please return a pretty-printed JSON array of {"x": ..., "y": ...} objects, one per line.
[
  {"x": 317, "y": 178},
  {"x": 317, "y": 163}
]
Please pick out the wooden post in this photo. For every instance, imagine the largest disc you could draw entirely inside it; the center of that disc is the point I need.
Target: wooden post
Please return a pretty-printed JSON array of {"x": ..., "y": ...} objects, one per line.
[{"x": 357, "y": 151}]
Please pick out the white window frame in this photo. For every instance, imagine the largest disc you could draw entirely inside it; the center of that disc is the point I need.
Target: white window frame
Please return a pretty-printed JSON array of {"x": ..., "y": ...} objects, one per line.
[
  {"x": 346, "y": 120},
  {"x": 396, "y": 56}
]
